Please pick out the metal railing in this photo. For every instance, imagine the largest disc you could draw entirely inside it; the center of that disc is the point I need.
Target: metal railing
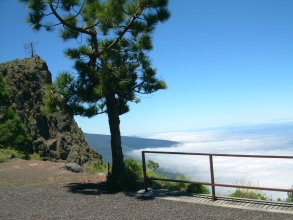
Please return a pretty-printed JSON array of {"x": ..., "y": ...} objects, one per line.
[{"x": 212, "y": 183}]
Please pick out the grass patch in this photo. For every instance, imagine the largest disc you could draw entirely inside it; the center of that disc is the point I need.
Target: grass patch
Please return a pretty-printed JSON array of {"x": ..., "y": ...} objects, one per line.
[
  {"x": 35, "y": 156},
  {"x": 248, "y": 193},
  {"x": 3, "y": 157},
  {"x": 96, "y": 167},
  {"x": 9, "y": 153}
]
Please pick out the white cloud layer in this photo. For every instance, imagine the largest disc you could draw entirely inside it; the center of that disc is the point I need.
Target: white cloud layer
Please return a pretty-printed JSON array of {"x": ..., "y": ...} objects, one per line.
[{"x": 264, "y": 139}]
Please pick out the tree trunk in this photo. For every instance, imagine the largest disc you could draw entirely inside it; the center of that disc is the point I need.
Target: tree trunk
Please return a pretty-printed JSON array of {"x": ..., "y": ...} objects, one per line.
[{"x": 118, "y": 167}]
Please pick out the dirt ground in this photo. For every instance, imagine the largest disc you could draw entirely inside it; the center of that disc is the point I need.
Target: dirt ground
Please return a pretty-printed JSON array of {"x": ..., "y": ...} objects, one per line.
[{"x": 17, "y": 172}]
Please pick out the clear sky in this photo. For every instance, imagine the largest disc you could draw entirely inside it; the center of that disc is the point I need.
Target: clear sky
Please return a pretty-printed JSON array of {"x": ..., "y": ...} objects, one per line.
[{"x": 225, "y": 62}]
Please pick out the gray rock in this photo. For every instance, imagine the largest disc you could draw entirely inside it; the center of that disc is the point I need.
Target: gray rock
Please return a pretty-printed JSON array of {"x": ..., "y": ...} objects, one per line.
[
  {"x": 55, "y": 135},
  {"x": 74, "y": 167}
]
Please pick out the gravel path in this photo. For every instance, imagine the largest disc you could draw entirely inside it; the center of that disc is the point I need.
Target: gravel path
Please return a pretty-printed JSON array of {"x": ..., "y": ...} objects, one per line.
[
  {"x": 87, "y": 201},
  {"x": 38, "y": 190}
]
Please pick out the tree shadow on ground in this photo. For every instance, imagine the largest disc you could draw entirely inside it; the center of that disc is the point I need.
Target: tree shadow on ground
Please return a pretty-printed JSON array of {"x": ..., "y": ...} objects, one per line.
[
  {"x": 98, "y": 189},
  {"x": 88, "y": 188},
  {"x": 139, "y": 197},
  {"x": 142, "y": 198}
]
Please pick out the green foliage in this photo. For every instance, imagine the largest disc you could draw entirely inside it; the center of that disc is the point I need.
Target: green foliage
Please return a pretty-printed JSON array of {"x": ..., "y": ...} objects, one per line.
[
  {"x": 290, "y": 196},
  {"x": 197, "y": 188},
  {"x": 35, "y": 156},
  {"x": 4, "y": 94},
  {"x": 97, "y": 167},
  {"x": 248, "y": 193},
  {"x": 152, "y": 165},
  {"x": 130, "y": 180},
  {"x": 13, "y": 133},
  {"x": 9, "y": 153},
  {"x": 4, "y": 155},
  {"x": 177, "y": 186},
  {"x": 112, "y": 65},
  {"x": 113, "y": 59},
  {"x": 134, "y": 175}
]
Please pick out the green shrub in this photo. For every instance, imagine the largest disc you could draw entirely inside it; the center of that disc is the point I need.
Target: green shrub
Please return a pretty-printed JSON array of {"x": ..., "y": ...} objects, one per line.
[
  {"x": 197, "y": 188},
  {"x": 131, "y": 179},
  {"x": 98, "y": 167},
  {"x": 152, "y": 165},
  {"x": 13, "y": 131},
  {"x": 248, "y": 193},
  {"x": 35, "y": 156},
  {"x": 134, "y": 175},
  {"x": 9, "y": 153},
  {"x": 290, "y": 196},
  {"x": 3, "y": 157}
]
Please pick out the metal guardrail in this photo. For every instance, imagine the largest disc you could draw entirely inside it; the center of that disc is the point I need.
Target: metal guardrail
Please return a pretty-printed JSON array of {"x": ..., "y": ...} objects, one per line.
[{"x": 212, "y": 183}]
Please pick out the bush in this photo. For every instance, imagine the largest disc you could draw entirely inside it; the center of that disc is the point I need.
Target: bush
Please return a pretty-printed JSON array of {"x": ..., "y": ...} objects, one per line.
[
  {"x": 152, "y": 165},
  {"x": 131, "y": 179},
  {"x": 35, "y": 156},
  {"x": 248, "y": 193},
  {"x": 9, "y": 153},
  {"x": 3, "y": 157},
  {"x": 134, "y": 175},
  {"x": 197, "y": 188},
  {"x": 97, "y": 167},
  {"x": 290, "y": 196}
]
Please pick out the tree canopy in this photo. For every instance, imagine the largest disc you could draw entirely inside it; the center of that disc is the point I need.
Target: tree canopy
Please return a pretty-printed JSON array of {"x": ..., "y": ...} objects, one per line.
[{"x": 111, "y": 61}]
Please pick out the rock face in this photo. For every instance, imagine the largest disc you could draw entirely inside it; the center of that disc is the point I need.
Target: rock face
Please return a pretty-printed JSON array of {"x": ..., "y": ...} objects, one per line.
[{"x": 53, "y": 135}]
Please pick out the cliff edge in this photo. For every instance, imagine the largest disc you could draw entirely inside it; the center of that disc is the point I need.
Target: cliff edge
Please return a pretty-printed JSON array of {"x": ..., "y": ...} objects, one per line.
[{"x": 55, "y": 136}]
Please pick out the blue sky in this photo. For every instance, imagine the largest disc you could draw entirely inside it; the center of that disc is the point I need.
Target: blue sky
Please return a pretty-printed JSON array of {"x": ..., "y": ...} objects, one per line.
[{"x": 225, "y": 62}]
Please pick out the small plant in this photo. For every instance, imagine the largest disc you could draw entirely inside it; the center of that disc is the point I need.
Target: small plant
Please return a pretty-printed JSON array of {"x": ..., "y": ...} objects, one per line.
[
  {"x": 97, "y": 167},
  {"x": 197, "y": 188},
  {"x": 248, "y": 193},
  {"x": 9, "y": 153},
  {"x": 35, "y": 156},
  {"x": 3, "y": 157},
  {"x": 290, "y": 196},
  {"x": 152, "y": 165}
]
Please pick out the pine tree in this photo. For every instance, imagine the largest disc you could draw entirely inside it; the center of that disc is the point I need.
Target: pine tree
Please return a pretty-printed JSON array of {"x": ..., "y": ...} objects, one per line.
[{"x": 112, "y": 65}]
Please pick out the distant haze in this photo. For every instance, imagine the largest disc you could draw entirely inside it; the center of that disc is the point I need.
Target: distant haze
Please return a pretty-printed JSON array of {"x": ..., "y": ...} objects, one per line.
[{"x": 258, "y": 139}]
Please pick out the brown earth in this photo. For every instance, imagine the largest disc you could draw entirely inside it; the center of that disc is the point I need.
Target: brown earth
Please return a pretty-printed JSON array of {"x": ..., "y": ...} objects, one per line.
[{"x": 17, "y": 172}]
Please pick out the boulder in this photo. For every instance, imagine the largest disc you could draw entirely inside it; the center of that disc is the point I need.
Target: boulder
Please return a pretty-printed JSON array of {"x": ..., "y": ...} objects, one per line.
[{"x": 73, "y": 167}]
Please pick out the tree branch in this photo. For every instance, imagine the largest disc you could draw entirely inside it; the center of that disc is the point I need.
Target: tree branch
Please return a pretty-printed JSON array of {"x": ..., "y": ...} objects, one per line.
[
  {"x": 82, "y": 30},
  {"x": 125, "y": 30}
]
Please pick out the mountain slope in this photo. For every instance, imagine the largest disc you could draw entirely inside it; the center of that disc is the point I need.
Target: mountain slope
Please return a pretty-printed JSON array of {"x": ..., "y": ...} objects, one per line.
[{"x": 102, "y": 143}]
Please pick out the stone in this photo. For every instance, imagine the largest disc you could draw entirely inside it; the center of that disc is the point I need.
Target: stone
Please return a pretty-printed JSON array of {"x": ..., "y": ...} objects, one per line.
[
  {"x": 73, "y": 167},
  {"x": 56, "y": 135}
]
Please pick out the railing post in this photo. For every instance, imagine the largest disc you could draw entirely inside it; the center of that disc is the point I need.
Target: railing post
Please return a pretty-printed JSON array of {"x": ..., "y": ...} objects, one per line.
[
  {"x": 212, "y": 178},
  {"x": 144, "y": 172}
]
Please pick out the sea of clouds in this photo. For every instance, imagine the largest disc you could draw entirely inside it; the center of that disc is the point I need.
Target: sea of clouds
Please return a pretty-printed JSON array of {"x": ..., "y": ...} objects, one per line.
[{"x": 257, "y": 139}]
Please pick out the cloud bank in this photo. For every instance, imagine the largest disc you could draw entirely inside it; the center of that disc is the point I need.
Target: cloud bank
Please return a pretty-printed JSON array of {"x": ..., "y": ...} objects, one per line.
[{"x": 262, "y": 139}]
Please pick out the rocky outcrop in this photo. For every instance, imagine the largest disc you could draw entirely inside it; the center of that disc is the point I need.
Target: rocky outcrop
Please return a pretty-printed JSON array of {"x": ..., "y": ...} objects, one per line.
[{"x": 53, "y": 135}]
